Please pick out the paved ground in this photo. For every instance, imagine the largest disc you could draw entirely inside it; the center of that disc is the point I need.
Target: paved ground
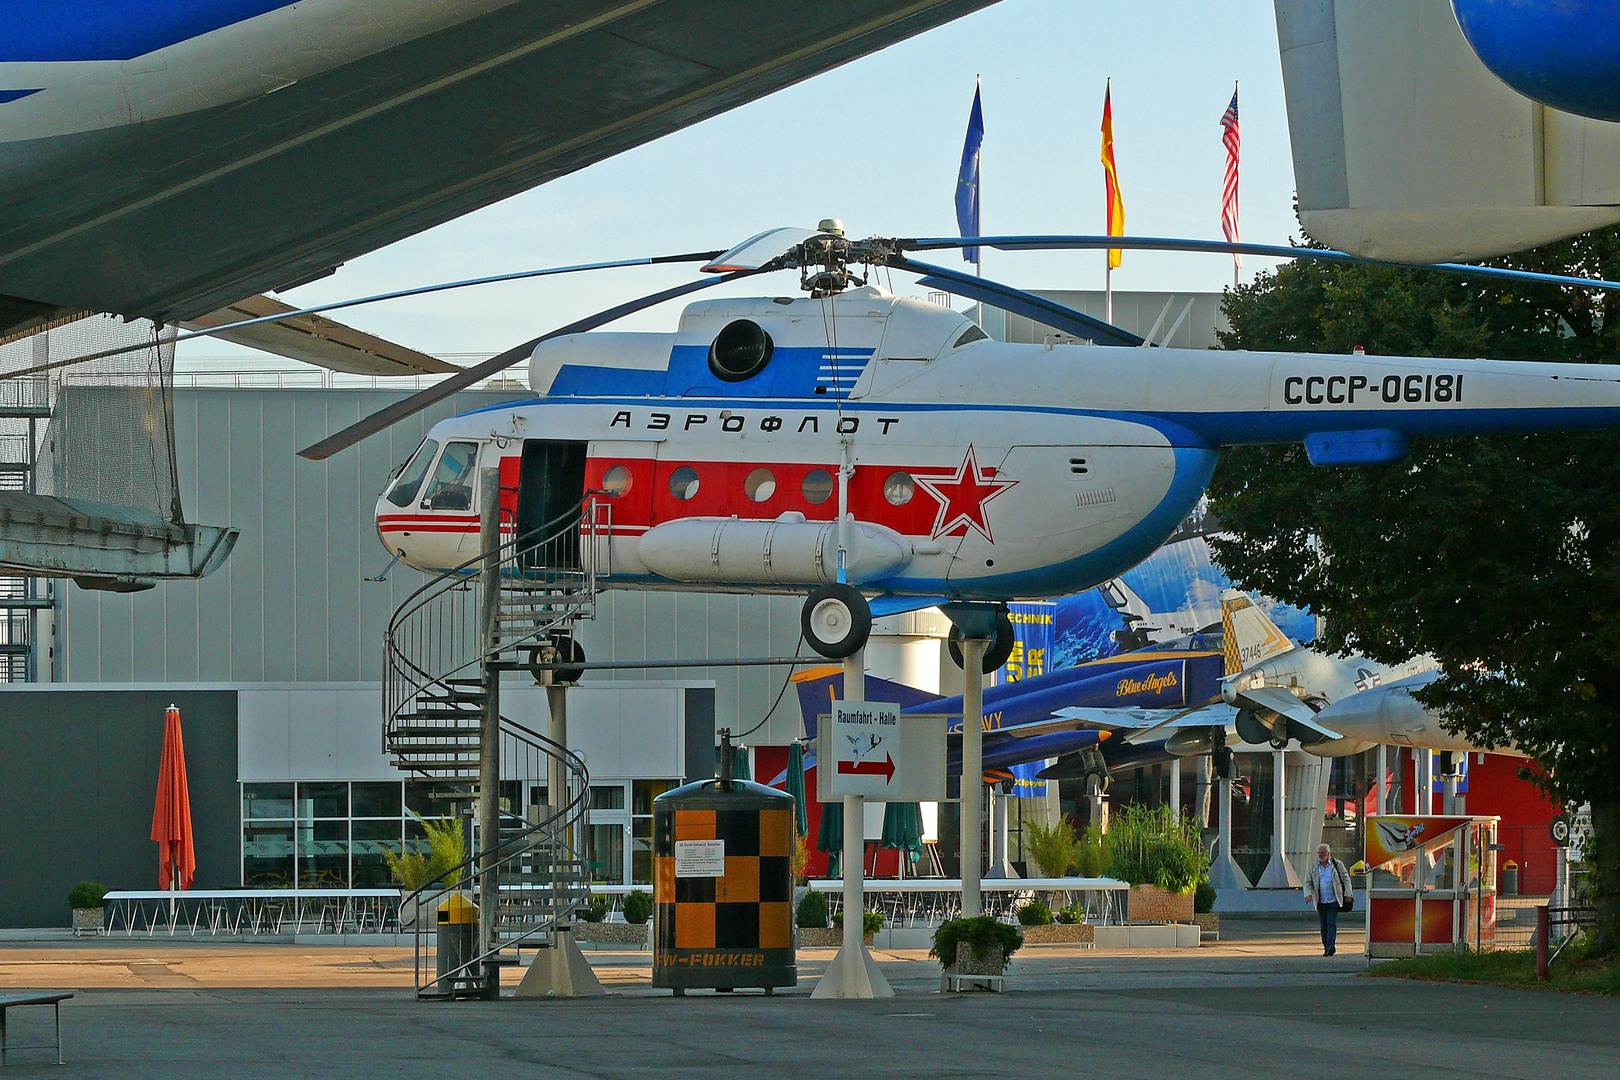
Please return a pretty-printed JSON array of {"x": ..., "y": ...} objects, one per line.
[{"x": 1262, "y": 1003}]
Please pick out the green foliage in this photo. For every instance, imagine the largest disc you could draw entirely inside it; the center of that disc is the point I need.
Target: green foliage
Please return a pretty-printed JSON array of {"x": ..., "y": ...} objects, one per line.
[
  {"x": 871, "y": 922},
  {"x": 1035, "y": 913},
  {"x": 447, "y": 849},
  {"x": 1579, "y": 969},
  {"x": 637, "y": 907},
  {"x": 812, "y": 913},
  {"x": 1054, "y": 848},
  {"x": 87, "y": 894},
  {"x": 1074, "y": 913},
  {"x": 1090, "y": 860},
  {"x": 1155, "y": 847},
  {"x": 1204, "y": 897},
  {"x": 595, "y": 909},
  {"x": 982, "y": 933},
  {"x": 1499, "y": 556}
]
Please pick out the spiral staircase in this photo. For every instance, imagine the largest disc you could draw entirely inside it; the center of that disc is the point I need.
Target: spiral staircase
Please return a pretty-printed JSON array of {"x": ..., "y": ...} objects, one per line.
[{"x": 444, "y": 654}]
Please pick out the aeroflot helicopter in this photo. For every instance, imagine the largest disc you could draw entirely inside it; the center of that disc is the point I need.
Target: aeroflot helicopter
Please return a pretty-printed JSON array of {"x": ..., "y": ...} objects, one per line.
[{"x": 880, "y": 454}]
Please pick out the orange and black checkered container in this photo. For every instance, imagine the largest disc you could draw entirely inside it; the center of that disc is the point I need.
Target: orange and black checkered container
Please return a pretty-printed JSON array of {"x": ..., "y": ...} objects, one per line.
[{"x": 723, "y": 887}]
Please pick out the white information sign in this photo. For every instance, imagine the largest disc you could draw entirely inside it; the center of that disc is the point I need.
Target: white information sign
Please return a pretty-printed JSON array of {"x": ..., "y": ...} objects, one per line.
[
  {"x": 867, "y": 748},
  {"x": 700, "y": 858}
]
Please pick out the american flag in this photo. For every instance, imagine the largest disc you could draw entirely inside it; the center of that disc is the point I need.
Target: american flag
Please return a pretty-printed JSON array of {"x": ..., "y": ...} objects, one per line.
[{"x": 1229, "y": 196}]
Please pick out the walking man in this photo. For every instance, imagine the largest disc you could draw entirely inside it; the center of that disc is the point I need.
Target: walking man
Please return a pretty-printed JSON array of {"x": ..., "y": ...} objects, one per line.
[{"x": 1326, "y": 886}]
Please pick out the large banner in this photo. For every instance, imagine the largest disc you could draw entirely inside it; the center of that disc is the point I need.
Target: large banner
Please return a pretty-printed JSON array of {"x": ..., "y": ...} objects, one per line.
[{"x": 1174, "y": 593}]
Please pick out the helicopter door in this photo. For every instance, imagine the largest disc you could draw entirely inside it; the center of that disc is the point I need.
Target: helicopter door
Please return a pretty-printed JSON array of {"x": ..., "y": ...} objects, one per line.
[{"x": 551, "y": 485}]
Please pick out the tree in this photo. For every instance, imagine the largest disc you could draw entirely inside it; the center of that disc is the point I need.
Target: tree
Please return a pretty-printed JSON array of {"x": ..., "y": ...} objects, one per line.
[{"x": 1500, "y": 556}]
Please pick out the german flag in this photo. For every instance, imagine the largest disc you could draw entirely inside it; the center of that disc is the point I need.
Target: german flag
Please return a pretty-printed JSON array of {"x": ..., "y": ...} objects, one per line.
[{"x": 1116, "y": 204}]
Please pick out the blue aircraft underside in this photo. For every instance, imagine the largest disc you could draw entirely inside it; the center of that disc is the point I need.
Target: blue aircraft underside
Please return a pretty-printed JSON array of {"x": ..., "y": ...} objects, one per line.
[
  {"x": 1131, "y": 680},
  {"x": 1563, "y": 53},
  {"x": 41, "y": 31}
]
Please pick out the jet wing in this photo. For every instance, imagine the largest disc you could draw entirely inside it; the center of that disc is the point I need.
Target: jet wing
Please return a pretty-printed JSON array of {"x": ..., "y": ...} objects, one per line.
[
  {"x": 315, "y": 339},
  {"x": 1281, "y": 701},
  {"x": 1146, "y": 725}
]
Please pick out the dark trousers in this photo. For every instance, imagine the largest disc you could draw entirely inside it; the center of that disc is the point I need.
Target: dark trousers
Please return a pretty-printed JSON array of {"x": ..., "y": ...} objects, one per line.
[{"x": 1329, "y": 914}]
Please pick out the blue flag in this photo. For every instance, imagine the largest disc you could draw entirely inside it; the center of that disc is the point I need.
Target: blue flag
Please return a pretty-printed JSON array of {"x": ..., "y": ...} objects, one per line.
[{"x": 967, "y": 180}]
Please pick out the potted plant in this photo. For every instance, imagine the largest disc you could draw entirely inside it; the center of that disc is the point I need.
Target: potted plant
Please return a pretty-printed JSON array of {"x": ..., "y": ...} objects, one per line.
[
  {"x": 871, "y": 923},
  {"x": 1043, "y": 926},
  {"x": 1204, "y": 909},
  {"x": 447, "y": 849},
  {"x": 981, "y": 945},
  {"x": 89, "y": 914},
  {"x": 1159, "y": 853},
  {"x": 811, "y": 919}
]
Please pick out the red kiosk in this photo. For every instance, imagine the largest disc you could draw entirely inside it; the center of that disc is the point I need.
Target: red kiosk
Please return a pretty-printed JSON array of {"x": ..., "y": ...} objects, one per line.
[{"x": 1431, "y": 885}]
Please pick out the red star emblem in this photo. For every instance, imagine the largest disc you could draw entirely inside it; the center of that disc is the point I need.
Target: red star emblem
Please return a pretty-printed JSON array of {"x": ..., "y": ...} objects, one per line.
[{"x": 961, "y": 496}]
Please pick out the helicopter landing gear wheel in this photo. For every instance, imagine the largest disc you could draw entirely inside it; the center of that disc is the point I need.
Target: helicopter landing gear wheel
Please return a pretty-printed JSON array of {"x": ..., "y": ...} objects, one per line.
[
  {"x": 836, "y": 621},
  {"x": 561, "y": 649},
  {"x": 996, "y": 654}
]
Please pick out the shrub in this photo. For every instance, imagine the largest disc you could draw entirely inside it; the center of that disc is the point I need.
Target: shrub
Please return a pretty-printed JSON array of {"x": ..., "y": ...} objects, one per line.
[
  {"x": 982, "y": 933},
  {"x": 637, "y": 907},
  {"x": 1074, "y": 913},
  {"x": 1054, "y": 849},
  {"x": 1035, "y": 913},
  {"x": 812, "y": 913},
  {"x": 1204, "y": 897},
  {"x": 87, "y": 894},
  {"x": 871, "y": 922},
  {"x": 1155, "y": 847},
  {"x": 1089, "y": 858},
  {"x": 595, "y": 909},
  {"x": 447, "y": 849}
]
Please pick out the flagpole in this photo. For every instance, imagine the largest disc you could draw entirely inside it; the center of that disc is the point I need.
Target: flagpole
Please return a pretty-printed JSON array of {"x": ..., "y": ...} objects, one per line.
[
  {"x": 978, "y": 253},
  {"x": 1237, "y": 260}
]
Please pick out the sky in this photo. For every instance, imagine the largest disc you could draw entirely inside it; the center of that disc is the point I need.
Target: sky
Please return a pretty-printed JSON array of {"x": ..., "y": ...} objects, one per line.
[{"x": 877, "y": 143}]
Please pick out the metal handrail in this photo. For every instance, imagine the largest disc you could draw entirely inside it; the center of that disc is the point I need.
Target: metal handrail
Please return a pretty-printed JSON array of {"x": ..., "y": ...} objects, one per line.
[
  {"x": 552, "y": 827},
  {"x": 437, "y": 619}
]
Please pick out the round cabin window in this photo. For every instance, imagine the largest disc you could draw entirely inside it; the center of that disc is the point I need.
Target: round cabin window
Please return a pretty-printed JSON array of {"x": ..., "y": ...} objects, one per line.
[
  {"x": 683, "y": 482},
  {"x": 740, "y": 351},
  {"x": 616, "y": 481},
  {"x": 760, "y": 485},
  {"x": 899, "y": 488},
  {"x": 818, "y": 486}
]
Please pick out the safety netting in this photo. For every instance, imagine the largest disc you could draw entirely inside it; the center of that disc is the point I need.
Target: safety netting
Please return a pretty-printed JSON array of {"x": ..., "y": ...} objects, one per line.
[{"x": 109, "y": 430}]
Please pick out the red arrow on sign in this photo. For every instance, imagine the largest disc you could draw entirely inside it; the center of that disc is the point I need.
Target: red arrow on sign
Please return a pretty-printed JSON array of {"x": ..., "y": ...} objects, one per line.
[{"x": 884, "y": 768}]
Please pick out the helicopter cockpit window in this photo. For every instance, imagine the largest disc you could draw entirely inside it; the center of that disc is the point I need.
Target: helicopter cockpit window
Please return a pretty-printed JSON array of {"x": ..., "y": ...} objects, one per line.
[
  {"x": 740, "y": 351},
  {"x": 451, "y": 488},
  {"x": 410, "y": 477},
  {"x": 970, "y": 335}
]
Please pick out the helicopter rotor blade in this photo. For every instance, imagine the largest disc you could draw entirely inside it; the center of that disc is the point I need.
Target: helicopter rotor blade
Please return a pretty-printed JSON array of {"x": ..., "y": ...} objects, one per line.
[
  {"x": 1019, "y": 302},
  {"x": 1276, "y": 251},
  {"x": 337, "y": 305},
  {"x": 399, "y": 410}
]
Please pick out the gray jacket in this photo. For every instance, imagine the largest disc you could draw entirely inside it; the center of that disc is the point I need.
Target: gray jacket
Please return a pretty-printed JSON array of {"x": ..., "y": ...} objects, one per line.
[{"x": 1341, "y": 883}]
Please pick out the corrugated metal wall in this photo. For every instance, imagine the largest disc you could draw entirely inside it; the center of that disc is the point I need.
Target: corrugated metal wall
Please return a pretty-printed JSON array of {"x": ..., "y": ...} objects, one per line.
[{"x": 290, "y": 604}]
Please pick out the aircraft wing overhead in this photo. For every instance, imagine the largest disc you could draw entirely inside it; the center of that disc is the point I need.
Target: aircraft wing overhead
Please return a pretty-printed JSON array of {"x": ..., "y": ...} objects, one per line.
[
  {"x": 221, "y": 150},
  {"x": 1281, "y": 701},
  {"x": 315, "y": 339}
]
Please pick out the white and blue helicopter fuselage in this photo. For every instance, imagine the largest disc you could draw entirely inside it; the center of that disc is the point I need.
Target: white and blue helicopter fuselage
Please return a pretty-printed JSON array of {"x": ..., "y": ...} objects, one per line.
[{"x": 976, "y": 470}]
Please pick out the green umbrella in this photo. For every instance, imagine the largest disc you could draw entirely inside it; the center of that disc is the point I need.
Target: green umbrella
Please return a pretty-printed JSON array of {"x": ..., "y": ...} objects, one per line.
[
  {"x": 795, "y": 788},
  {"x": 831, "y": 837},
  {"x": 739, "y": 767},
  {"x": 902, "y": 828}
]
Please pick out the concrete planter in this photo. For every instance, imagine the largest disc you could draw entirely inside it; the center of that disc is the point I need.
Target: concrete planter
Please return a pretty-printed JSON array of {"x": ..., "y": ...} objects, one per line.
[
  {"x": 824, "y": 937},
  {"x": 1151, "y": 904},
  {"x": 89, "y": 922},
  {"x": 611, "y": 933},
  {"x": 1060, "y": 934}
]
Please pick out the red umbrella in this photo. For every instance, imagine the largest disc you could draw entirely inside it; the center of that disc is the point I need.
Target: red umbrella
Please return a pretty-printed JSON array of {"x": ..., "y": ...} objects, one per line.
[{"x": 171, "y": 820}]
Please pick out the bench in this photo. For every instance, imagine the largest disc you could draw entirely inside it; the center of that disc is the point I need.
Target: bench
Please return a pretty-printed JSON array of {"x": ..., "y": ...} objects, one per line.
[{"x": 54, "y": 1000}]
